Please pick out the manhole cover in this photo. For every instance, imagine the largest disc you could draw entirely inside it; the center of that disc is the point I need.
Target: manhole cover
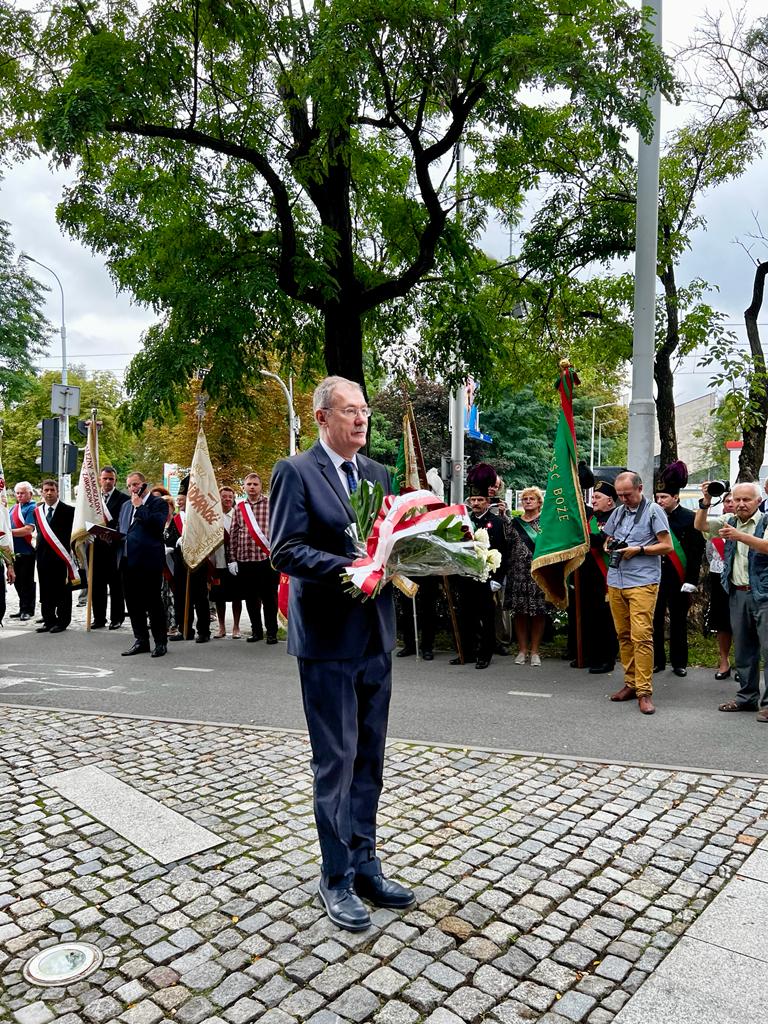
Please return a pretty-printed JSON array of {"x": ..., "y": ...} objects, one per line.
[{"x": 63, "y": 964}]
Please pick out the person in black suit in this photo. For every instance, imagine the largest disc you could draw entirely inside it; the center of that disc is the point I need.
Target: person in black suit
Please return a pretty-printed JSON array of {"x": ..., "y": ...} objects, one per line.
[
  {"x": 142, "y": 558},
  {"x": 53, "y": 573},
  {"x": 344, "y": 650},
  {"x": 107, "y": 578}
]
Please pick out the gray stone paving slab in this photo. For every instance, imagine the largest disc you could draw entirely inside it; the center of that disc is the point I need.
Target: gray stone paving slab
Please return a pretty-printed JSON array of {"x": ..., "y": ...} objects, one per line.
[
  {"x": 737, "y": 919},
  {"x": 546, "y": 889},
  {"x": 162, "y": 833},
  {"x": 756, "y": 866},
  {"x": 700, "y": 984}
]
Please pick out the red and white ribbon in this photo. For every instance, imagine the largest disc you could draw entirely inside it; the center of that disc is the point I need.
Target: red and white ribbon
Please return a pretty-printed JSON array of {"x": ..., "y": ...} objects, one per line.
[
  {"x": 17, "y": 520},
  {"x": 392, "y": 525},
  {"x": 50, "y": 537},
  {"x": 178, "y": 520},
  {"x": 256, "y": 532}
]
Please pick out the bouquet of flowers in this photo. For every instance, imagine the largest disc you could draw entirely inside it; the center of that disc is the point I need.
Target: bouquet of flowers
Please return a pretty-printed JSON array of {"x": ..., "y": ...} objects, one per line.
[{"x": 412, "y": 534}]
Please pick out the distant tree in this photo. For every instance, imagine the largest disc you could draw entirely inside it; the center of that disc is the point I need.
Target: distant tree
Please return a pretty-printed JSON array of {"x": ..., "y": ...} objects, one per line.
[{"x": 24, "y": 331}]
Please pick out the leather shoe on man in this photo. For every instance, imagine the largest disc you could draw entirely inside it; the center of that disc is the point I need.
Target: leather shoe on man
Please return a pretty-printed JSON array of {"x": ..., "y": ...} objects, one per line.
[
  {"x": 98, "y": 625},
  {"x": 658, "y": 668},
  {"x": 383, "y": 892},
  {"x": 344, "y": 908},
  {"x": 43, "y": 629},
  {"x": 159, "y": 651},
  {"x": 599, "y": 670},
  {"x": 57, "y": 629},
  {"x": 271, "y": 640},
  {"x": 202, "y": 639},
  {"x": 680, "y": 672},
  {"x": 15, "y": 615},
  {"x": 25, "y": 617},
  {"x": 254, "y": 638},
  {"x": 115, "y": 625},
  {"x": 482, "y": 663},
  {"x": 427, "y": 656},
  {"x": 406, "y": 652},
  {"x": 139, "y": 647},
  {"x": 625, "y": 693},
  {"x": 646, "y": 705},
  {"x": 456, "y": 661}
]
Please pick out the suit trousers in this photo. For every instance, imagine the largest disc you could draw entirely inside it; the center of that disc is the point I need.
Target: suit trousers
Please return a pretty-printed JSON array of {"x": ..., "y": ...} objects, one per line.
[
  {"x": 144, "y": 599},
  {"x": 749, "y": 622},
  {"x": 346, "y": 704},
  {"x": 632, "y": 610},
  {"x": 477, "y": 618},
  {"x": 55, "y": 594},
  {"x": 25, "y": 583},
  {"x": 107, "y": 580},
  {"x": 258, "y": 587},
  {"x": 673, "y": 599}
]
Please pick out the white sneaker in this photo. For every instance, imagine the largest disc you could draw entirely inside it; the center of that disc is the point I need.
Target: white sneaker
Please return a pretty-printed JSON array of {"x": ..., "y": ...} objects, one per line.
[
  {"x": 535, "y": 661},
  {"x": 521, "y": 658}
]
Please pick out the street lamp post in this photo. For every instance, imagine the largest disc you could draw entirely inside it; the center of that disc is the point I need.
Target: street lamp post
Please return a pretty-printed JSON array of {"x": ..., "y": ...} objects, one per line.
[
  {"x": 600, "y": 439},
  {"x": 65, "y": 488},
  {"x": 294, "y": 424},
  {"x": 608, "y": 405}
]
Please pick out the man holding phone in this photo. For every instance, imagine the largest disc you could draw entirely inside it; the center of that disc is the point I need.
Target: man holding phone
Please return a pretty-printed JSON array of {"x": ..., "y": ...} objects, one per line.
[{"x": 142, "y": 520}]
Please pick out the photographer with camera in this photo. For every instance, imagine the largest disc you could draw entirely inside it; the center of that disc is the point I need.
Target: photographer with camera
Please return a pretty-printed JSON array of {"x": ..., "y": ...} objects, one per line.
[
  {"x": 638, "y": 535},
  {"x": 745, "y": 579}
]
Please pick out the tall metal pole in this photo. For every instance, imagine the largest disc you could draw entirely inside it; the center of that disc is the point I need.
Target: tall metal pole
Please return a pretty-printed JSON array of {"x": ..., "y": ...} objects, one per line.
[
  {"x": 293, "y": 419},
  {"x": 458, "y": 396},
  {"x": 65, "y": 483},
  {"x": 642, "y": 408}
]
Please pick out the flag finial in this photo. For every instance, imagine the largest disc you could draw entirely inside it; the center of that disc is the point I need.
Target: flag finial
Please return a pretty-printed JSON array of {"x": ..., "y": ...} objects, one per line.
[{"x": 565, "y": 364}]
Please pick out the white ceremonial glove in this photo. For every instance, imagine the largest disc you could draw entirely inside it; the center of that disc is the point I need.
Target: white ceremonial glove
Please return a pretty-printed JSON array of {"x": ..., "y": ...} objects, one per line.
[
  {"x": 233, "y": 568},
  {"x": 178, "y": 543},
  {"x": 169, "y": 551},
  {"x": 495, "y": 586},
  {"x": 688, "y": 588}
]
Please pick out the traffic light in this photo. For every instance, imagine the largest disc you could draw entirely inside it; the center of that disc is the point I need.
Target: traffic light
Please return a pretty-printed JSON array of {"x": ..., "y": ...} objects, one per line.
[{"x": 48, "y": 460}]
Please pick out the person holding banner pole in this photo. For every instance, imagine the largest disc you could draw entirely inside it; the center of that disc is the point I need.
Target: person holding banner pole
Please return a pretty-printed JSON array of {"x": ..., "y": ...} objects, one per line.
[
  {"x": 56, "y": 569},
  {"x": 249, "y": 546}
]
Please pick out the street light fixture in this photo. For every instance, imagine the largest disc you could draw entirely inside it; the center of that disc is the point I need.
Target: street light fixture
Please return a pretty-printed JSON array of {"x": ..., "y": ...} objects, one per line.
[
  {"x": 64, "y": 478},
  {"x": 294, "y": 423},
  {"x": 600, "y": 426},
  {"x": 608, "y": 405}
]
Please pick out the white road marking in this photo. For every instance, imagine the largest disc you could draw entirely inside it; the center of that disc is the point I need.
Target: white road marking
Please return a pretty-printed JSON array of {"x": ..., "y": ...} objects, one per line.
[
  {"x": 6, "y": 634},
  {"x": 190, "y": 668},
  {"x": 527, "y": 693}
]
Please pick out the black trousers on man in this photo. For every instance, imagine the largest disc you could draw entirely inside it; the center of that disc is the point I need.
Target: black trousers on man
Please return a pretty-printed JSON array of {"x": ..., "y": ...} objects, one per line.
[
  {"x": 144, "y": 599},
  {"x": 672, "y": 599},
  {"x": 25, "y": 583},
  {"x": 107, "y": 581},
  {"x": 477, "y": 618},
  {"x": 258, "y": 587},
  {"x": 55, "y": 594}
]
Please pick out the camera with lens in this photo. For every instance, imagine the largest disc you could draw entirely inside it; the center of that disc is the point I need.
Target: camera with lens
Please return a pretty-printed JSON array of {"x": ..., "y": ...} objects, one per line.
[
  {"x": 717, "y": 488},
  {"x": 615, "y": 547}
]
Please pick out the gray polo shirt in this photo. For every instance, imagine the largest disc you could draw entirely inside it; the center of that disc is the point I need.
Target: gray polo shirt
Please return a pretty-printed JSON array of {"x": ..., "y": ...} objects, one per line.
[{"x": 638, "y": 527}]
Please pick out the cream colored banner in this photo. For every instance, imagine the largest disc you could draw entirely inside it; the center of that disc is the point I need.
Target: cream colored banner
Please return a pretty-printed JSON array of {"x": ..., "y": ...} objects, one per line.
[{"x": 204, "y": 525}]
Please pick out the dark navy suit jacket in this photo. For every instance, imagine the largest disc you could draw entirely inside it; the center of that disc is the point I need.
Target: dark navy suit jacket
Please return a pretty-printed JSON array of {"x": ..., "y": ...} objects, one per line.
[
  {"x": 309, "y": 514},
  {"x": 144, "y": 546}
]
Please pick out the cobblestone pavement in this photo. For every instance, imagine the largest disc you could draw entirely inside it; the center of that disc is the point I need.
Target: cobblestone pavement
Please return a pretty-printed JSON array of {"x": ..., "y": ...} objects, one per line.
[{"x": 547, "y": 889}]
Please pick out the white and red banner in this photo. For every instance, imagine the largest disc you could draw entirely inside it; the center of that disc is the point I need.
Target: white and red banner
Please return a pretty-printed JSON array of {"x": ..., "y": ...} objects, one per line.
[
  {"x": 6, "y": 540},
  {"x": 51, "y": 539},
  {"x": 204, "y": 522},
  {"x": 251, "y": 524},
  {"x": 89, "y": 504}
]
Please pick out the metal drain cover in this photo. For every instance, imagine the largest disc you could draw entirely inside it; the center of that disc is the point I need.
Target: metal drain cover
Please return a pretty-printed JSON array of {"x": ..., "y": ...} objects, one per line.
[{"x": 63, "y": 964}]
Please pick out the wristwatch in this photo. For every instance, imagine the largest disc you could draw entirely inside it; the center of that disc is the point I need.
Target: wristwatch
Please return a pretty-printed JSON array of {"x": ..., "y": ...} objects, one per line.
[{"x": 702, "y": 504}]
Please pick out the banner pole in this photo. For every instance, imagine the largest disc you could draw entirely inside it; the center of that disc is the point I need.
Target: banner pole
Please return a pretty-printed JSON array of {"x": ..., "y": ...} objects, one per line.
[
  {"x": 93, "y": 442},
  {"x": 186, "y": 606}
]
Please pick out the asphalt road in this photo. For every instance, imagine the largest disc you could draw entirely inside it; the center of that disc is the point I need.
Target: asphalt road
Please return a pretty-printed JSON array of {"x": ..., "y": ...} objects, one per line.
[{"x": 553, "y": 710}]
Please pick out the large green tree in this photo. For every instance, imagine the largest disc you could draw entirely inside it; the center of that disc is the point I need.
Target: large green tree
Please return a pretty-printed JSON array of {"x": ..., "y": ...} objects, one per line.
[
  {"x": 269, "y": 174},
  {"x": 24, "y": 331}
]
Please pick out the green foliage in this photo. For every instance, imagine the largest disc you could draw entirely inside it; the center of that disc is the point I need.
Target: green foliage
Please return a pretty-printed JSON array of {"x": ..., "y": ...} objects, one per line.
[
  {"x": 24, "y": 331},
  {"x": 278, "y": 179}
]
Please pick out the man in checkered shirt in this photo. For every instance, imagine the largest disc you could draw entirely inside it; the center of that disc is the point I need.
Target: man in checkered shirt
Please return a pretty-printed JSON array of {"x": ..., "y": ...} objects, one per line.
[{"x": 249, "y": 548}]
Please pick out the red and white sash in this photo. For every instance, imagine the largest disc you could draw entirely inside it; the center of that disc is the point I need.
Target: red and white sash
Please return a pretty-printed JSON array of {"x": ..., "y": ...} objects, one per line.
[
  {"x": 17, "y": 520},
  {"x": 179, "y": 523},
  {"x": 256, "y": 532},
  {"x": 51, "y": 538}
]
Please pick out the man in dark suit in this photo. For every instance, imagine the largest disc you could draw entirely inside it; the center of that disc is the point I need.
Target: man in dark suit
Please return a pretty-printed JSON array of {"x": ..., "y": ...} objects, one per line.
[
  {"x": 344, "y": 650},
  {"x": 142, "y": 520},
  {"x": 55, "y": 567},
  {"x": 107, "y": 578}
]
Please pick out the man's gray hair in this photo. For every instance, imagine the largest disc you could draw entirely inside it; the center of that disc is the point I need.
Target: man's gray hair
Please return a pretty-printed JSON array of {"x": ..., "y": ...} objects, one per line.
[
  {"x": 757, "y": 491},
  {"x": 24, "y": 483},
  {"x": 323, "y": 395},
  {"x": 635, "y": 479}
]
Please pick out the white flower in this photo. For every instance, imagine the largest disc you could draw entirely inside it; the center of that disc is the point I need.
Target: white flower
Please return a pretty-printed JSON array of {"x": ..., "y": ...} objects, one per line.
[
  {"x": 493, "y": 559},
  {"x": 481, "y": 538}
]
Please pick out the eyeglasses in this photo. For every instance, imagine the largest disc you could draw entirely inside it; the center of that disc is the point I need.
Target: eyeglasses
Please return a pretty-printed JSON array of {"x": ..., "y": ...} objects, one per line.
[{"x": 352, "y": 410}]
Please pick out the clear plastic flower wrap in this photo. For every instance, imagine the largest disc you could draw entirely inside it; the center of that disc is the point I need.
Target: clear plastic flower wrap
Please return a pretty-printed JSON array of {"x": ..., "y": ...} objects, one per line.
[{"x": 415, "y": 534}]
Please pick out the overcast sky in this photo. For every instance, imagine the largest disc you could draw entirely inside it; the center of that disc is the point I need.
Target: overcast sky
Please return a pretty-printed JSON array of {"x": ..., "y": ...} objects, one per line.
[{"x": 104, "y": 328}]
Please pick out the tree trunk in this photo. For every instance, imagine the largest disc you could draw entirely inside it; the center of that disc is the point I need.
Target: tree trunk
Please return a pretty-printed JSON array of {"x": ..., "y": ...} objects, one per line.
[
  {"x": 343, "y": 348},
  {"x": 662, "y": 371},
  {"x": 751, "y": 458}
]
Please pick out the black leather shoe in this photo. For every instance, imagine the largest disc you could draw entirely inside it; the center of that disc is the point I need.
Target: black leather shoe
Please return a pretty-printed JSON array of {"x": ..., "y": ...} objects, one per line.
[
  {"x": 455, "y": 661},
  {"x": 43, "y": 629},
  {"x": 658, "y": 668},
  {"x": 138, "y": 648},
  {"x": 383, "y": 892},
  {"x": 172, "y": 637},
  {"x": 98, "y": 625},
  {"x": 271, "y": 640},
  {"x": 202, "y": 639},
  {"x": 115, "y": 625},
  {"x": 57, "y": 629},
  {"x": 24, "y": 616},
  {"x": 254, "y": 638},
  {"x": 159, "y": 651},
  {"x": 406, "y": 652},
  {"x": 344, "y": 908},
  {"x": 598, "y": 670},
  {"x": 427, "y": 656},
  {"x": 482, "y": 663},
  {"x": 680, "y": 672},
  {"x": 502, "y": 650}
]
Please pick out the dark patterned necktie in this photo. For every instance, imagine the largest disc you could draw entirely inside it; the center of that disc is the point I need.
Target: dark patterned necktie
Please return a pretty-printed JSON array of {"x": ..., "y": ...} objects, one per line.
[
  {"x": 49, "y": 513},
  {"x": 349, "y": 469}
]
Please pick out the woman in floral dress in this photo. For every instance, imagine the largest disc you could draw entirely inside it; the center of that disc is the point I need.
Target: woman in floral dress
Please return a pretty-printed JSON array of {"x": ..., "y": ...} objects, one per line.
[{"x": 524, "y": 599}]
